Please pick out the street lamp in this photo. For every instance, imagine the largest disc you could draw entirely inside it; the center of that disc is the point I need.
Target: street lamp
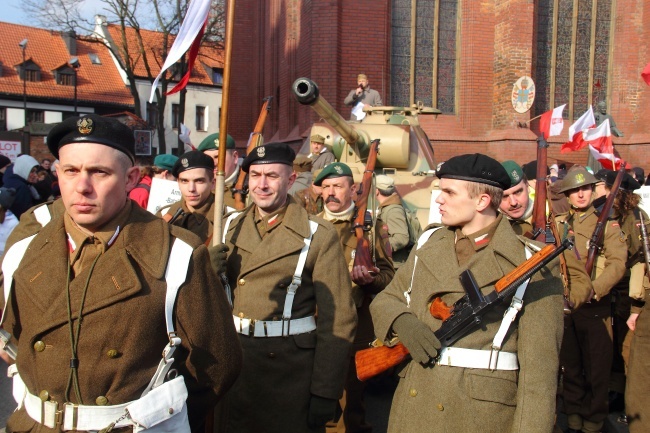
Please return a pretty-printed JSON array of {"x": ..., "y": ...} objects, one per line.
[
  {"x": 23, "y": 46},
  {"x": 74, "y": 63}
]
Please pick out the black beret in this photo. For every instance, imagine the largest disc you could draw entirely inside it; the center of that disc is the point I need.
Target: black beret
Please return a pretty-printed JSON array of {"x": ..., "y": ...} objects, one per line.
[
  {"x": 628, "y": 183},
  {"x": 92, "y": 128},
  {"x": 272, "y": 153},
  {"x": 192, "y": 159},
  {"x": 475, "y": 168},
  {"x": 601, "y": 174},
  {"x": 530, "y": 170}
]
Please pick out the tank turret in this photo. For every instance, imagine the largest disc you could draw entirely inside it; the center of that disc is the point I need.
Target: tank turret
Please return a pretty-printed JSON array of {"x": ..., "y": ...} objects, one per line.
[{"x": 405, "y": 152}]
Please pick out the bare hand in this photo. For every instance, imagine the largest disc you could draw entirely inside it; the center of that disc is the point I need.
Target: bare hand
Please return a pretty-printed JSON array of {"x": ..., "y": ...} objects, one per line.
[
  {"x": 362, "y": 276},
  {"x": 631, "y": 321}
]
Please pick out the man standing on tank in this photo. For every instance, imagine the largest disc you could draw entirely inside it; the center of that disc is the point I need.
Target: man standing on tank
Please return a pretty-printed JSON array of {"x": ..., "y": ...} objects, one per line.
[{"x": 364, "y": 94}]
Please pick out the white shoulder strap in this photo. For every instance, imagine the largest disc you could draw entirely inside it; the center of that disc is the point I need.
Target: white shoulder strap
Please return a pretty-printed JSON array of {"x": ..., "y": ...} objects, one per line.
[
  {"x": 175, "y": 275},
  {"x": 42, "y": 215},
  {"x": 424, "y": 237},
  {"x": 12, "y": 259},
  {"x": 297, "y": 277},
  {"x": 226, "y": 224}
]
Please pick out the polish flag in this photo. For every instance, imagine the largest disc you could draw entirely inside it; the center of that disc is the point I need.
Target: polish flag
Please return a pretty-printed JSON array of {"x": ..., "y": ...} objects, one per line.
[
  {"x": 576, "y": 131},
  {"x": 601, "y": 146},
  {"x": 551, "y": 123},
  {"x": 646, "y": 74},
  {"x": 189, "y": 37}
]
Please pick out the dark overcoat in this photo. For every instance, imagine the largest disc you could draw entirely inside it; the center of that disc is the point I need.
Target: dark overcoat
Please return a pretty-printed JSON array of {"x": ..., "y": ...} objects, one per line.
[
  {"x": 453, "y": 399},
  {"x": 280, "y": 374},
  {"x": 123, "y": 330}
]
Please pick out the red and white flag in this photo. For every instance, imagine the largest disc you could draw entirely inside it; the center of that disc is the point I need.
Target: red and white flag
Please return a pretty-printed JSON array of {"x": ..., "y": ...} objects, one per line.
[
  {"x": 189, "y": 37},
  {"x": 601, "y": 146},
  {"x": 646, "y": 74},
  {"x": 576, "y": 131},
  {"x": 551, "y": 123}
]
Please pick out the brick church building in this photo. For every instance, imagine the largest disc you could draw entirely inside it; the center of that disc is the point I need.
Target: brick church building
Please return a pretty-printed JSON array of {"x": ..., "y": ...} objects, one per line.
[{"x": 460, "y": 56}]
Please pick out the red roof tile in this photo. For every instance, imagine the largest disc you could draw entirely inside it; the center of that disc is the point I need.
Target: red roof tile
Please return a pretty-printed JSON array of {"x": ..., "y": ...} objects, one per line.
[{"x": 96, "y": 83}]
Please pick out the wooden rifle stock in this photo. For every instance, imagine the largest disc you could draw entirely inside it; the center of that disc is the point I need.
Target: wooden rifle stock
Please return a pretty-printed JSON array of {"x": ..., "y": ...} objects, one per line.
[
  {"x": 539, "y": 207},
  {"x": 555, "y": 239},
  {"x": 599, "y": 231},
  {"x": 376, "y": 360},
  {"x": 646, "y": 242},
  {"x": 362, "y": 254},
  {"x": 254, "y": 140}
]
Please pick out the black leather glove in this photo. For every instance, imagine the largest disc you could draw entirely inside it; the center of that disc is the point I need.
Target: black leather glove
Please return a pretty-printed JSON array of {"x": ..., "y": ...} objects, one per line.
[
  {"x": 218, "y": 257},
  {"x": 321, "y": 410},
  {"x": 418, "y": 338}
]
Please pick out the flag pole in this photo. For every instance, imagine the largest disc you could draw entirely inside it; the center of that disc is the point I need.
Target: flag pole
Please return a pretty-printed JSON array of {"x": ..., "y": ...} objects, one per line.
[{"x": 217, "y": 231}]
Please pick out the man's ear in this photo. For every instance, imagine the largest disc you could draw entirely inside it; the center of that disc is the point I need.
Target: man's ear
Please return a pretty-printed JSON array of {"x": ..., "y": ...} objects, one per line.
[
  {"x": 132, "y": 178},
  {"x": 483, "y": 202}
]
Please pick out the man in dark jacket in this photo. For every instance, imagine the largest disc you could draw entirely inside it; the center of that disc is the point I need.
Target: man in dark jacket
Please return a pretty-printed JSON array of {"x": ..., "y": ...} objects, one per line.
[{"x": 20, "y": 176}]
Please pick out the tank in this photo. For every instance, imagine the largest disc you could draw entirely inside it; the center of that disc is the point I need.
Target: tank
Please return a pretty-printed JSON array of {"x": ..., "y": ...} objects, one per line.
[{"x": 405, "y": 152}]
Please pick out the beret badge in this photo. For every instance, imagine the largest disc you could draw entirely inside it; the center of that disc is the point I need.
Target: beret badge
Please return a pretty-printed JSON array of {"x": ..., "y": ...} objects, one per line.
[
  {"x": 338, "y": 169},
  {"x": 85, "y": 125},
  {"x": 185, "y": 162},
  {"x": 515, "y": 175},
  {"x": 261, "y": 152},
  {"x": 216, "y": 142}
]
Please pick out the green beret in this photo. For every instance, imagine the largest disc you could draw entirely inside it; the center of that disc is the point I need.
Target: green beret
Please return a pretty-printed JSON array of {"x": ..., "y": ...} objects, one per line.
[
  {"x": 165, "y": 161},
  {"x": 335, "y": 169},
  {"x": 317, "y": 138},
  {"x": 514, "y": 171},
  {"x": 92, "y": 128},
  {"x": 272, "y": 153},
  {"x": 190, "y": 160},
  {"x": 211, "y": 142},
  {"x": 475, "y": 168}
]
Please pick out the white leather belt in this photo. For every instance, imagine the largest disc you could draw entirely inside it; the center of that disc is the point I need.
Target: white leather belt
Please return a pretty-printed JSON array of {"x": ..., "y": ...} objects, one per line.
[
  {"x": 73, "y": 417},
  {"x": 473, "y": 358},
  {"x": 274, "y": 328}
]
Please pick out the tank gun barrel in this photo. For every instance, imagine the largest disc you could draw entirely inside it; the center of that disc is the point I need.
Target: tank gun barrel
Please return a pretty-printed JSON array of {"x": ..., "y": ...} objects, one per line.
[{"x": 307, "y": 93}]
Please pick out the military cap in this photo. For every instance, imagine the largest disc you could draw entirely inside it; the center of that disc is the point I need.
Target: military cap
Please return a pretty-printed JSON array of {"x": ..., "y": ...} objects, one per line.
[
  {"x": 475, "y": 168},
  {"x": 514, "y": 171},
  {"x": 576, "y": 177},
  {"x": 302, "y": 164},
  {"x": 335, "y": 169},
  {"x": 271, "y": 153},
  {"x": 530, "y": 170},
  {"x": 92, "y": 128},
  {"x": 385, "y": 183},
  {"x": 601, "y": 174},
  {"x": 211, "y": 142},
  {"x": 362, "y": 77},
  {"x": 7, "y": 197},
  {"x": 628, "y": 183},
  {"x": 165, "y": 161},
  {"x": 317, "y": 138},
  {"x": 190, "y": 160}
]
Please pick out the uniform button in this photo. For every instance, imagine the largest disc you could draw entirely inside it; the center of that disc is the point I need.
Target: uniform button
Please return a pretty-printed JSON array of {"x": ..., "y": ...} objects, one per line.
[
  {"x": 440, "y": 407},
  {"x": 44, "y": 395},
  {"x": 112, "y": 353},
  {"x": 101, "y": 401},
  {"x": 39, "y": 346},
  {"x": 413, "y": 392},
  {"x": 170, "y": 410},
  {"x": 241, "y": 315},
  {"x": 242, "y": 281},
  {"x": 271, "y": 355}
]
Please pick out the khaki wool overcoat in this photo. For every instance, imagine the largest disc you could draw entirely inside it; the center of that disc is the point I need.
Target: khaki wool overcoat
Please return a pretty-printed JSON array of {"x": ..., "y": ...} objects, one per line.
[
  {"x": 123, "y": 331},
  {"x": 441, "y": 398},
  {"x": 280, "y": 374}
]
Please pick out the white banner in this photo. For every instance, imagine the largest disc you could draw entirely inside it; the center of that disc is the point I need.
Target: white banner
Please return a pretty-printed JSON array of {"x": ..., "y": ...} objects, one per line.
[
  {"x": 163, "y": 192},
  {"x": 644, "y": 192},
  {"x": 10, "y": 149}
]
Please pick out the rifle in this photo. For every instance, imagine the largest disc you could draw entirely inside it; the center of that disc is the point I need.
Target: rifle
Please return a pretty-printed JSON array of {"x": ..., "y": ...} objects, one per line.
[
  {"x": 539, "y": 207},
  {"x": 599, "y": 231},
  {"x": 646, "y": 243},
  {"x": 553, "y": 237},
  {"x": 240, "y": 191},
  {"x": 464, "y": 316},
  {"x": 362, "y": 254},
  {"x": 6, "y": 345}
]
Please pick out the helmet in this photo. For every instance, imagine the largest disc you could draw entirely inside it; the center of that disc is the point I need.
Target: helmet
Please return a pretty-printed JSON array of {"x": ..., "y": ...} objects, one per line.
[{"x": 576, "y": 177}]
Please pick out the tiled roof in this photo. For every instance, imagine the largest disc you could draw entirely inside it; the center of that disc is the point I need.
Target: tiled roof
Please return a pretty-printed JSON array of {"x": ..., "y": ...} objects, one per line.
[
  {"x": 208, "y": 56},
  {"x": 100, "y": 83}
]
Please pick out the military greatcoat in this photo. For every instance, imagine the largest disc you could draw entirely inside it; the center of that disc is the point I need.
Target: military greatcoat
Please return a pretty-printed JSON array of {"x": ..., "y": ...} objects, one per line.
[
  {"x": 200, "y": 221},
  {"x": 441, "y": 398},
  {"x": 279, "y": 374},
  {"x": 123, "y": 331}
]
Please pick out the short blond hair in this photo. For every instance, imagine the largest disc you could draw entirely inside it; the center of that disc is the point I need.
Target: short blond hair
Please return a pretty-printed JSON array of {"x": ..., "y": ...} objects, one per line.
[{"x": 474, "y": 189}]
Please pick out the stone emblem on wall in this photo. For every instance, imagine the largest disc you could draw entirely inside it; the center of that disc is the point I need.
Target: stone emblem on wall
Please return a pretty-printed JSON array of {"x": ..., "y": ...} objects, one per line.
[{"x": 523, "y": 94}]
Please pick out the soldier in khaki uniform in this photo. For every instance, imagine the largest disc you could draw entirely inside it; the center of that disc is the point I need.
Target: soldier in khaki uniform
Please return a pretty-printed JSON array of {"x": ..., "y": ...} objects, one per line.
[
  {"x": 310, "y": 198},
  {"x": 195, "y": 210},
  {"x": 587, "y": 348},
  {"x": 320, "y": 153},
  {"x": 84, "y": 347},
  {"x": 294, "y": 364},
  {"x": 516, "y": 205},
  {"x": 210, "y": 146},
  {"x": 392, "y": 214},
  {"x": 470, "y": 388},
  {"x": 338, "y": 191}
]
